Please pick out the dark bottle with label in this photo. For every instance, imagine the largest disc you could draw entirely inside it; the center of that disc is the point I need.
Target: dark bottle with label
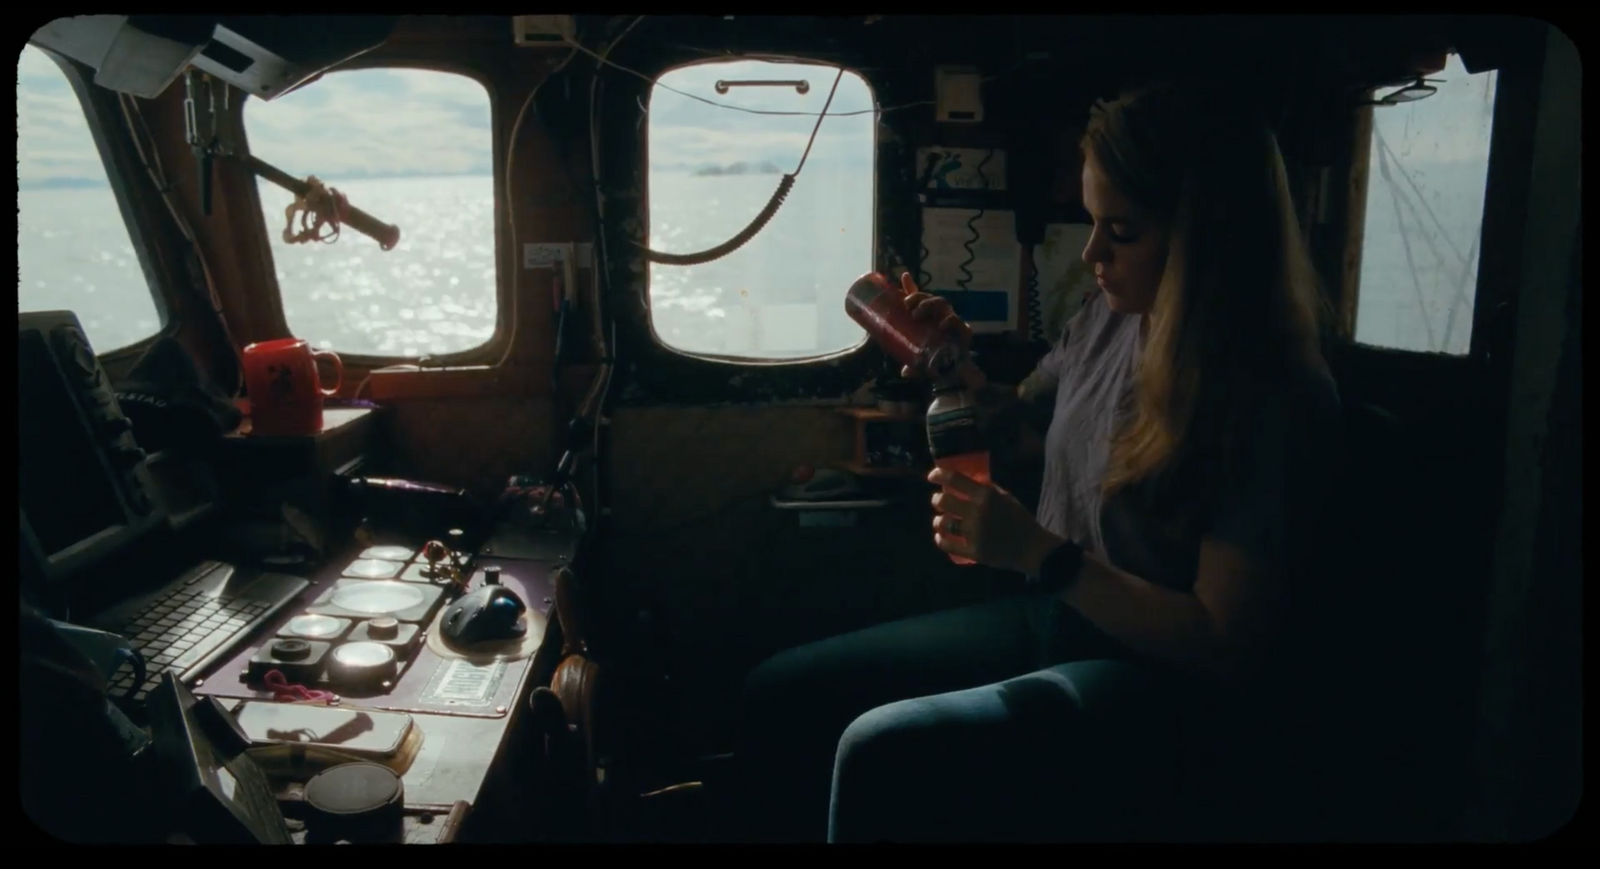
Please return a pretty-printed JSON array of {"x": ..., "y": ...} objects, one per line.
[{"x": 955, "y": 436}]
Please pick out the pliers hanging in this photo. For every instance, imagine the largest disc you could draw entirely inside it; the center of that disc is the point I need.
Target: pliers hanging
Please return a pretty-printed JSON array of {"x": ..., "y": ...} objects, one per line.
[{"x": 205, "y": 148}]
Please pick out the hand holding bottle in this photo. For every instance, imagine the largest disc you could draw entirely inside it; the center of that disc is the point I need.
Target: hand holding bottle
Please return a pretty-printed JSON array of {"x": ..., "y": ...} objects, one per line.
[
  {"x": 929, "y": 308},
  {"x": 926, "y": 337},
  {"x": 979, "y": 522}
]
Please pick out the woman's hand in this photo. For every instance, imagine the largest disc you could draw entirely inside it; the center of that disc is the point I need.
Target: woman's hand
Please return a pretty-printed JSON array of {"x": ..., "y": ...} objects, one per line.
[
  {"x": 987, "y": 524},
  {"x": 933, "y": 309}
]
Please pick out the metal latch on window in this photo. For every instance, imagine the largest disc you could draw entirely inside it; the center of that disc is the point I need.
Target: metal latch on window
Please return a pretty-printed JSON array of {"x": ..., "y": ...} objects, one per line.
[{"x": 801, "y": 86}]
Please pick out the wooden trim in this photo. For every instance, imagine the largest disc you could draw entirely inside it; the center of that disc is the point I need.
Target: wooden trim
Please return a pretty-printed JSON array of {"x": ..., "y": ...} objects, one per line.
[
  {"x": 453, "y": 822},
  {"x": 529, "y": 380},
  {"x": 1355, "y": 223}
]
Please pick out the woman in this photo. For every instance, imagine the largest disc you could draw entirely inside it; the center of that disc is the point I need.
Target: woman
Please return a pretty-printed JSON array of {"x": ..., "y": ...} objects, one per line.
[{"x": 1191, "y": 448}]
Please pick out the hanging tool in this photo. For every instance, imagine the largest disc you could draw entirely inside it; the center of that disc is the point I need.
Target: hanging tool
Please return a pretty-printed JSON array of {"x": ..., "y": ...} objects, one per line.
[
  {"x": 384, "y": 234},
  {"x": 202, "y": 148}
]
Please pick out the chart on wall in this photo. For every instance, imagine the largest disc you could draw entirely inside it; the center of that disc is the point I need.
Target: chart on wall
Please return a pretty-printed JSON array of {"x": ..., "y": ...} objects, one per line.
[
  {"x": 1065, "y": 281},
  {"x": 972, "y": 258}
]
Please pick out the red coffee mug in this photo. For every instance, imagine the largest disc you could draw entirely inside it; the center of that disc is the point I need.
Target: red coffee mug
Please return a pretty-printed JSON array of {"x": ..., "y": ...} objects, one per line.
[{"x": 284, "y": 388}]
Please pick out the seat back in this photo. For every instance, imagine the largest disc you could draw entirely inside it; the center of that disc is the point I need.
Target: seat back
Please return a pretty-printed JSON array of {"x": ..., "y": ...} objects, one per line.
[{"x": 1375, "y": 611}]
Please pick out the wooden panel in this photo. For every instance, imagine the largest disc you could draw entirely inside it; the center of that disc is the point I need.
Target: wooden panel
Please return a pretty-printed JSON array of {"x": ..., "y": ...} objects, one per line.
[
  {"x": 693, "y": 533},
  {"x": 475, "y": 443},
  {"x": 728, "y": 579},
  {"x": 476, "y": 381},
  {"x": 671, "y": 464}
]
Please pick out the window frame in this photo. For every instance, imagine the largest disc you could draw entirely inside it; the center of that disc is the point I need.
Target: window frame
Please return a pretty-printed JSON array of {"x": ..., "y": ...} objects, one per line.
[
  {"x": 485, "y": 353},
  {"x": 873, "y": 234},
  {"x": 1390, "y": 377},
  {"x": 114, "y": 158},
  {"x": 655, "y": 373},
  {"x": 1495, "y": 237}
]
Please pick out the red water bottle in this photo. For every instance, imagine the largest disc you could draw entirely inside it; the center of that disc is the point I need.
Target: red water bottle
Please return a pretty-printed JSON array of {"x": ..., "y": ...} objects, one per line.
[
  {"x": 955, "y": 437},
  {"x": 879, "y": 306}
]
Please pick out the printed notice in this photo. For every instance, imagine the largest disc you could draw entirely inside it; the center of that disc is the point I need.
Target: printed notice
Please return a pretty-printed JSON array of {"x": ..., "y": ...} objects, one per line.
[
  {"x": 973, "y": 259},
  {"x": 461, "y": 683},
  {"x": 1065, "y": 280}
]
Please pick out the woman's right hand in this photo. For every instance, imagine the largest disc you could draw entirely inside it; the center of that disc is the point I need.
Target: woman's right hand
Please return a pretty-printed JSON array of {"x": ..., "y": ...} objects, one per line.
[{"x": 933, "y": 309}]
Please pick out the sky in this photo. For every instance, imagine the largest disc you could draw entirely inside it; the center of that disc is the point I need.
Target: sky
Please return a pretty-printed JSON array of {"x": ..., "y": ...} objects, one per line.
[
  {"x": 688, "y": 133},
  {"x": 387, "y": 123},
  {"x": 346, "y": 125},
  {"x": 53, "y": 142}
]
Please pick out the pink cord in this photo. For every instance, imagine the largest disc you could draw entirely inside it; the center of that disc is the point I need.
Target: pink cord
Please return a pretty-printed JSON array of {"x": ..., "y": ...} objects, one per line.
[{"x": 283, "y": 692}]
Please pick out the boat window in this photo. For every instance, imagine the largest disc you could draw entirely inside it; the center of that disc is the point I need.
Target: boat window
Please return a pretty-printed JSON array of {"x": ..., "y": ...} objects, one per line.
[
  {"x": 74, "y": 251},
  {"x": 1426, "y": 178},
  {"x": 413, "y": 148},
  {"x": 716, "y": 157}
]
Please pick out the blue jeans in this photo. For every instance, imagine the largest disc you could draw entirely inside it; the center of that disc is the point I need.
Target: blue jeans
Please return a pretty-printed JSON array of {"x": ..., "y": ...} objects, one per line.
[{"x": 1011, "y": 720}]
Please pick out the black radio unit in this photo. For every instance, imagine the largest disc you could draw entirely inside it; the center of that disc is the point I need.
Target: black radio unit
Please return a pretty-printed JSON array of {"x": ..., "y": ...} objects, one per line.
[{"x": 83, "y": 487}]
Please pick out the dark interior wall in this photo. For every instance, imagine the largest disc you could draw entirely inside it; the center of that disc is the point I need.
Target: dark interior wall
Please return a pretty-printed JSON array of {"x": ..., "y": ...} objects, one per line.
[
  {"x": 1527, "y": 750},
  {"x": 1548, "y": 779},
  {"x": 1045, "y": 70},
  {"x": 1470, "y": 601},
  {"x": 694, "y": 446},
  {"x": 1459, "y": 555}
]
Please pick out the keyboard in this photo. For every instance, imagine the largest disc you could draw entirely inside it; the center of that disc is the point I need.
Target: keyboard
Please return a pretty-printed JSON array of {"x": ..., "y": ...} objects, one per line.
[{"x": 207, "y": 613}]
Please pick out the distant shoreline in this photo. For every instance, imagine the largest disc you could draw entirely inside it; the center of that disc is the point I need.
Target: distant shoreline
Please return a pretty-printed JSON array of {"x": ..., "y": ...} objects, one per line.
[
  {"x": 737, "y": 169},
  {"x": 765, "y": 167},
  {"x": 91, "y": 183}
]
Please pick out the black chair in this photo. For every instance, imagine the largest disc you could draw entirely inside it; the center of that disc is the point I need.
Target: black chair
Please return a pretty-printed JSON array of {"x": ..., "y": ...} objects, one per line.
[{"x": 1323, "y": 760}]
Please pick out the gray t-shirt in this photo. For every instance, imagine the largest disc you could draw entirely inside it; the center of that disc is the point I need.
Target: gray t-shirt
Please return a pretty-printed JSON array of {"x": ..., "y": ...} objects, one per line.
[{"x": 1268, "y": 501}]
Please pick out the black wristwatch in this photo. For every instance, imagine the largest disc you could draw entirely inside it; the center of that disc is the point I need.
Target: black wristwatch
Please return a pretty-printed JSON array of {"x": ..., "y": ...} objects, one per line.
[{"x": 1060, "y": 568}]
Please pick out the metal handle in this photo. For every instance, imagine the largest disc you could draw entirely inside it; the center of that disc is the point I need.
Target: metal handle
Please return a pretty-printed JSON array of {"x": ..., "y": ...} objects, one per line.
[{"x": 801, "y": 86}]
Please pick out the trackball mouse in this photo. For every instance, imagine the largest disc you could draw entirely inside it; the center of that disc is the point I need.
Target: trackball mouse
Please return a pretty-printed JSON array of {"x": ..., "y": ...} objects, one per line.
[{"x": 489, "y": 612}]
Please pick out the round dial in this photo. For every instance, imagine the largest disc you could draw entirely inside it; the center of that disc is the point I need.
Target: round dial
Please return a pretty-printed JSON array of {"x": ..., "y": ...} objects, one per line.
[
  {"x": 385, "y": 628},
  {"x": 373, "y": 568},
  {"x": 291, "y": 650},
  {"x": 361, "y": 656},
  {"x": 316, "y": 627}
]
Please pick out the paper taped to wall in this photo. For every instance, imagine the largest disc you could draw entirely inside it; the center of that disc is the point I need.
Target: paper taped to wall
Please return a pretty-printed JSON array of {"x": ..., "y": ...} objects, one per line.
[
  {"x": 980, "y": 276},
  {"x": 1065, "y": 280}
]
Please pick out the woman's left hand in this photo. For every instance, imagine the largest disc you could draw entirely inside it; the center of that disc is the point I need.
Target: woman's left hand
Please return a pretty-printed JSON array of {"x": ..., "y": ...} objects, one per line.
[{"x": 987, "y": 524}]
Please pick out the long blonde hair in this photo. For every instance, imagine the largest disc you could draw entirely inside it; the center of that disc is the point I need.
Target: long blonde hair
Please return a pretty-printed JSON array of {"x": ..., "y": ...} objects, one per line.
[{"x": 1239, "y": 303}]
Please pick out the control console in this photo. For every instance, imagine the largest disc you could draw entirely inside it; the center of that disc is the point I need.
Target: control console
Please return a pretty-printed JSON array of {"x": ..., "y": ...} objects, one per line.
[
  {"x": 358, "y": 635},
  {"x": 431, "y": 628}
]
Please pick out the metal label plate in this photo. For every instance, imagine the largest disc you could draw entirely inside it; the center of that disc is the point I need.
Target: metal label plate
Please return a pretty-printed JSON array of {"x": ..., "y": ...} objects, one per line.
[{"x": 462, "y": 683}]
